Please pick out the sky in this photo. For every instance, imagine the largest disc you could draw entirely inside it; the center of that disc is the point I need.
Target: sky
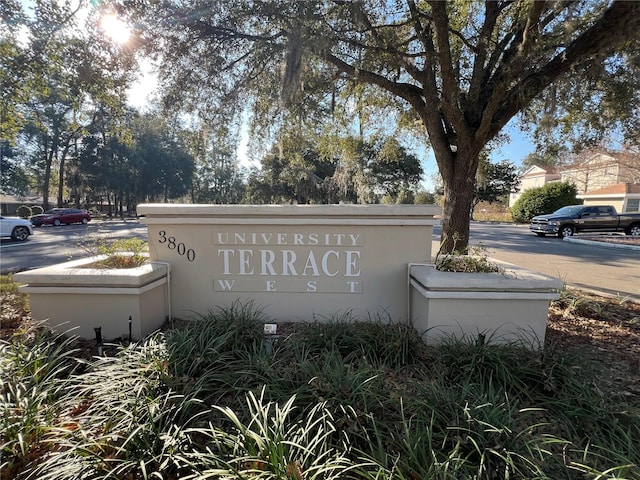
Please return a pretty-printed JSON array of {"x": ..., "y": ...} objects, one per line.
[{"x": 514, "y": 151}]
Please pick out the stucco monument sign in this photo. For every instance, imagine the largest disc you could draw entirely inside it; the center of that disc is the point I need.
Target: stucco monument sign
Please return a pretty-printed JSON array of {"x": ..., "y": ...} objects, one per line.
[{"x": 295, "y": 262}]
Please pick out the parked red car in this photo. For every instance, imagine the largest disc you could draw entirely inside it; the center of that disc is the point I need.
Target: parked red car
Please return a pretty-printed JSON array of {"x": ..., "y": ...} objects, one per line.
[{"x": 58, "y": 216}]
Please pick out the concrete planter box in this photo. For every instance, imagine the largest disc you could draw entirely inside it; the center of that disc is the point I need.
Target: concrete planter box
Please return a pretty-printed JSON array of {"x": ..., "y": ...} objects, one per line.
[
  {"x": 502, "y": 306},
  {"x": 74, "y": 297}
]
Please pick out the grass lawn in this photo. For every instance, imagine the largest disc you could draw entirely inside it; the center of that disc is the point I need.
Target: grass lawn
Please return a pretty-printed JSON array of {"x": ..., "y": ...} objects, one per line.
[{"x": 213, "y": 398}]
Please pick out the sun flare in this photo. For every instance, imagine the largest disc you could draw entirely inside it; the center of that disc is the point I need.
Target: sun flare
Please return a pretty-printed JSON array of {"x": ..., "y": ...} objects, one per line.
[{"x": 115, "y": 29}]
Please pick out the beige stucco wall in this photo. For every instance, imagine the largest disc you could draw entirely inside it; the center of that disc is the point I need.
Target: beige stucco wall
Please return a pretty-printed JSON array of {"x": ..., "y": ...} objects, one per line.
[
  {"x": 295, "y": 262},
  {"x": 507, "y": 306},
  {"x": 598, "y": 172},
  {"x": 536, "y": 181},
  {"x": 617, "y": 203},
  {"x": 78, "y": 311}
]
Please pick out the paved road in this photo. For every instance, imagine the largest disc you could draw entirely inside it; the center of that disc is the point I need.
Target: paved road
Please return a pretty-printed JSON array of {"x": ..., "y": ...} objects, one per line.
[
  {"x": 50, "y": 245},
  {"x": 597, "y": 267},
  {"x": 615, "y": 271}
]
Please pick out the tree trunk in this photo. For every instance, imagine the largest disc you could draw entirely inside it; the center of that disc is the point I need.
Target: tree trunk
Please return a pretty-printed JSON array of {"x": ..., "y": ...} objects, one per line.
[
  {"x": 63, "y": 157},
  {"x": 61, "y": 182},
  {"x": 456, "y": 216},
  {"x": 459, "y": 184},
  {"x": 47, "y": 179},
  {"x": 130, "y": 205},
  {"x": 121, "y": 211}
]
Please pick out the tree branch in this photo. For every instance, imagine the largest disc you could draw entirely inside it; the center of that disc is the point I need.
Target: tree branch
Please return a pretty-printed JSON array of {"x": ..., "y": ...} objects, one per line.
[
  {"x": 450, "y": 81},
  {"x": 437, "y": 126},
  {"x": 613, "y": 29},
  {"x": 479, "y": 73},
  {"x": 406, "y": 91}
]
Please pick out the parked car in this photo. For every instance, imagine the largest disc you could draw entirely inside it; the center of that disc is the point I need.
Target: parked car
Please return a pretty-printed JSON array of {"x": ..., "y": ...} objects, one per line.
[
  {"x": 16, "y": 228},
  {"x": 58, "y": 216},
  {"x": 585, "y": 218}
]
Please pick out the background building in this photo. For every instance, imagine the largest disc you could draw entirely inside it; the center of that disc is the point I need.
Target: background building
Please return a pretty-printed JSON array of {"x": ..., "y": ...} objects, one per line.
[{"x": 600, "y": 176}]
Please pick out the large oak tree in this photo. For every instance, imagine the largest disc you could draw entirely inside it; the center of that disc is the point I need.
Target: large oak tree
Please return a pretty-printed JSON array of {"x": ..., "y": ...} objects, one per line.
[{"x": 463, "y": 68}]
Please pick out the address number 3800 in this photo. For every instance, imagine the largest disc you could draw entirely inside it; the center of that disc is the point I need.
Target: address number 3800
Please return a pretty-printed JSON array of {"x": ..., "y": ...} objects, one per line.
[{"x": 172, "y": 244}]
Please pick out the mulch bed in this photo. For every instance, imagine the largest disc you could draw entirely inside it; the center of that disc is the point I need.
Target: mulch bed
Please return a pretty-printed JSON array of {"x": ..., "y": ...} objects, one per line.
[{"x": 607, "y": 331}]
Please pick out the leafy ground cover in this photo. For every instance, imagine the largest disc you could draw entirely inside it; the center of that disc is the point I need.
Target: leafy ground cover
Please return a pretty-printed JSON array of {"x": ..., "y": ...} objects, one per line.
[{"x": 215, "y": 398}]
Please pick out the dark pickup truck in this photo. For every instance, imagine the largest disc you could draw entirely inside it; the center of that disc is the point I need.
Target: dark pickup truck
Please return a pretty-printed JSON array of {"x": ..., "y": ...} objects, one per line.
[{"x": 585, "y": 218}]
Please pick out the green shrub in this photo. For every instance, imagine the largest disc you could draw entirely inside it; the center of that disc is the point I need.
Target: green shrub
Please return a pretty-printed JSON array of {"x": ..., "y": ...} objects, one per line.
[
  {"x": 33, "y": 367},
  {"x": 473, "y": 259},
  {"x": 125, "y": 253},
  {"x": 547, "y": 199},
  {"x": 12, "y": 298},
  {"x": 423, "y": 197},
  {"x": 37, "y": 210},
  {"x": 24, "y": 212}
]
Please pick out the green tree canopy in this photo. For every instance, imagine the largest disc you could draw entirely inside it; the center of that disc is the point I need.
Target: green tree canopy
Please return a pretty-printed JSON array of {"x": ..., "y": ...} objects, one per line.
[
  {"x": 335, "y": 169},
  {"x": 395, "y": 171},
  {"x": 56, "y": 75},
  {"x": 13, "y": 175},
  {"x": 495, "y": 182},
  {"x": 146, "y": 160},
  {"x": 287, "y": 176},
  {"x": 461, "y": 69},
  {"x": 12, "y": 68}
]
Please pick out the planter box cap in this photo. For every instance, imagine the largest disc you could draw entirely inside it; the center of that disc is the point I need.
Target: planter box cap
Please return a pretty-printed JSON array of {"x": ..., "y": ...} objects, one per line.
[
  {"x": 79, "y": 273},
  {"x": 514, "y": 278}
]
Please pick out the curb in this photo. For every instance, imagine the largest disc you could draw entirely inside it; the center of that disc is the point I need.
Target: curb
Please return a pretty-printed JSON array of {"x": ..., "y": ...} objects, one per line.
[
  {"x": 601, "y": 244},
  {"x": 605, "y": 293}
]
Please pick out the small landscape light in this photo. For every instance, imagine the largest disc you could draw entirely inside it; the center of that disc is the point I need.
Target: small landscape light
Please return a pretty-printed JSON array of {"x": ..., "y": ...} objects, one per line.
[{"x": 99, "y": 344}]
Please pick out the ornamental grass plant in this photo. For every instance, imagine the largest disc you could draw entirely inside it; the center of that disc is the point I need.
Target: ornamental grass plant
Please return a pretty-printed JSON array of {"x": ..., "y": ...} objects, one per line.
[
  {"x": 119, "y": 253},
  {"x": 342, "y": 398}
]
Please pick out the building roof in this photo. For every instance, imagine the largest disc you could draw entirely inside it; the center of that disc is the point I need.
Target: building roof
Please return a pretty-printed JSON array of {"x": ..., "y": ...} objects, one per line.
[
  {"x": 537, "y": 170},
  {"x": 29, "y": 199},
  {"x": 586, "y": 156},
  {"x": 619, "y": 189}
]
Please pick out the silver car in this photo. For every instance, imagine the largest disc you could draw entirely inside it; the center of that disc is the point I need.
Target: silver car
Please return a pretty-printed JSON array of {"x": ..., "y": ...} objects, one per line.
[{"x": 16, "y": 228}]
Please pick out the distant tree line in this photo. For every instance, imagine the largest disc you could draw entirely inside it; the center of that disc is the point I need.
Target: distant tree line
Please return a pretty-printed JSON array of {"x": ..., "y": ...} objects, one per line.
[{"x": 66, "y": 130}]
